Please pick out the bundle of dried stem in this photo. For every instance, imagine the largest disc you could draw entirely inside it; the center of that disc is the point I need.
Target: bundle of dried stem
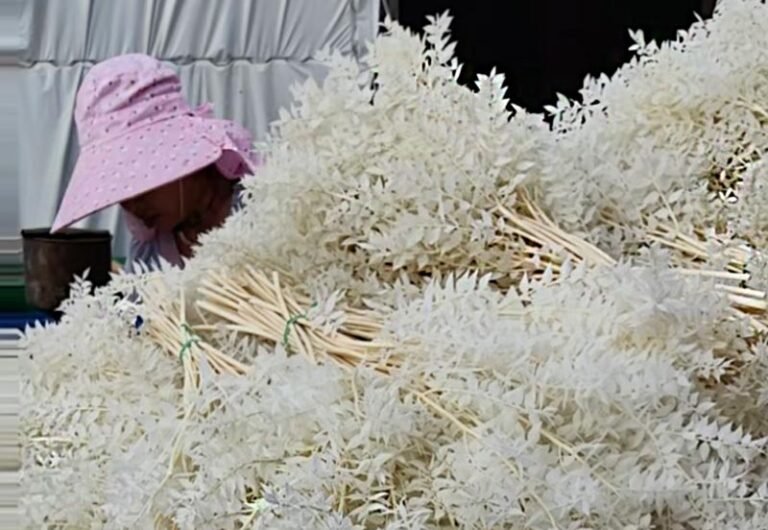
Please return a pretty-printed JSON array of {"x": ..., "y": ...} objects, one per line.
[
  {"x": 167, "y": 326},
  {"x": 540, "y": 232},
  {"x": 696, "y": 248},
  {"x": 694, "y": 252},
  {"x": 529, "y": 222},
  {"x": 258, "y": 304}
]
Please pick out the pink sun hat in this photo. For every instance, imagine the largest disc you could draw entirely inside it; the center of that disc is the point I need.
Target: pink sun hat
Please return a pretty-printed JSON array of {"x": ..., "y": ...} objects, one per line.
[{"x": 137, "y": 133}]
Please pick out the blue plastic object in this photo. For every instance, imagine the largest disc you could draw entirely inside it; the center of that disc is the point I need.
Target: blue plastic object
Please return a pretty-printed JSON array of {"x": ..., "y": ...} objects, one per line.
[{"x": 20, "y": 321}]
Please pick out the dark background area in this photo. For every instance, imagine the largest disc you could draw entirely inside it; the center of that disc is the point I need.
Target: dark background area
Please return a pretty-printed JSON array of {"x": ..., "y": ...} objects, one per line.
[{"x": 549, "y": 46}]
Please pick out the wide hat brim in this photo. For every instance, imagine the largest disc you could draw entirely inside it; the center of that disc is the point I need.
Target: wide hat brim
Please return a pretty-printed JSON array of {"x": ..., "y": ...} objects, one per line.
[{"x": 147, "y": 158}]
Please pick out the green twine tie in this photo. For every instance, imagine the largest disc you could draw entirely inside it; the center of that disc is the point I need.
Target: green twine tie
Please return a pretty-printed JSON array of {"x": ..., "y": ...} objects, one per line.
[
  {"x": 292, "y": 322},
  {"x": 190, "y": 340}
]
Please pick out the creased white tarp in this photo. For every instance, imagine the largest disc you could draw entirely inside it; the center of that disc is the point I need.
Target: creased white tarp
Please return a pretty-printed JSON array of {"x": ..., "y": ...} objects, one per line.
[{"x": 242, "y": 55}]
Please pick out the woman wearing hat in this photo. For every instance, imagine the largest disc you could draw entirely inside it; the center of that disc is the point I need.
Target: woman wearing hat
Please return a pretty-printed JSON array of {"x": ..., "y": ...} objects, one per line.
[{"x": 172, "y": 169}]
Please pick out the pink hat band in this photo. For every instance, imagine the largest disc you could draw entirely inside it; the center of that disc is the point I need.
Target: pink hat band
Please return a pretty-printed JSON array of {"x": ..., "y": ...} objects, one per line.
[{"x": 137, "y": 133}]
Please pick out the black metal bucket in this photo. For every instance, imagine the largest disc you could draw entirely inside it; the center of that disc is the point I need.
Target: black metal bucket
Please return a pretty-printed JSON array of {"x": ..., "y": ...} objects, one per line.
[{"x": 51, "y": 262}]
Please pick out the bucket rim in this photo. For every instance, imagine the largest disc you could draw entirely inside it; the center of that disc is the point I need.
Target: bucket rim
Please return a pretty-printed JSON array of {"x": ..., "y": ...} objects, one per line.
[{"x": 68, "y": 235}]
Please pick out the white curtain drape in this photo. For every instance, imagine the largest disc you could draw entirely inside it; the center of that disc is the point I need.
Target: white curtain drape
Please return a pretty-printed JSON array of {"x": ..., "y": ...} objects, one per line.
[{"x": 241, "y": 55}]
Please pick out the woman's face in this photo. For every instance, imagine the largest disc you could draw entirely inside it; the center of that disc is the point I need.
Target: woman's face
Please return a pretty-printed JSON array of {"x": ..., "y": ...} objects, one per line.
[{"x": 187, "y": 207}]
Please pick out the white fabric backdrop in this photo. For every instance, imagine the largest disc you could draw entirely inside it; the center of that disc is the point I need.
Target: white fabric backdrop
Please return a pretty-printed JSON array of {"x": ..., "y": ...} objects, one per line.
[{"x": 242, "y": 55}]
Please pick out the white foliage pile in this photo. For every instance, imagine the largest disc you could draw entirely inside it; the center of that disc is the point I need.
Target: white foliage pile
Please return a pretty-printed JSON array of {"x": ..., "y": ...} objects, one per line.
[
  {"x": 625, "y": 397},
  {"x": 91, "y": 393},
  {"x": 650, "y": 141},
  {"x": 598, "y": 427}
]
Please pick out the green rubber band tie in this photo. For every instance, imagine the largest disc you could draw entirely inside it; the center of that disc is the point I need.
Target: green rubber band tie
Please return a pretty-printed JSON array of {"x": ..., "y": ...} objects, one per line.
[
  {"x": 292, "y": 322},
  {"x": 191, "y": 339}
]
